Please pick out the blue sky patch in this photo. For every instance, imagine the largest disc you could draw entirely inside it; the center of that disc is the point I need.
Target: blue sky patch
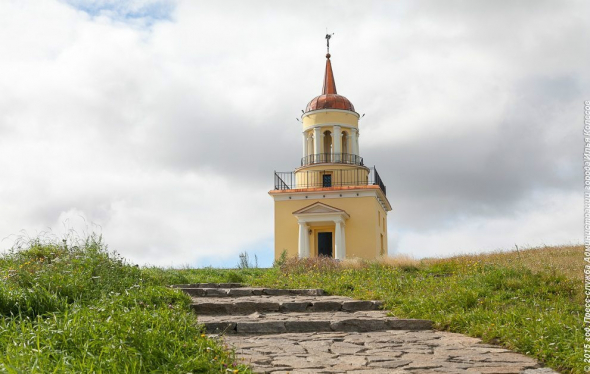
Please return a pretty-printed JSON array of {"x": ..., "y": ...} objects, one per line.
[{"x": 148, "y": 11}]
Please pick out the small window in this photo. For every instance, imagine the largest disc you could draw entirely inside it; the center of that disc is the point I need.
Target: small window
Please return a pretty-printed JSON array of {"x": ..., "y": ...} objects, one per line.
[{"x": 327, "y": 180}]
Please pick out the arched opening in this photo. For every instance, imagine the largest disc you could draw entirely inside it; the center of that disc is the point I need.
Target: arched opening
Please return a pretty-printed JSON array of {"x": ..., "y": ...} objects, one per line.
[
  {"x": 345, "y": 151},
  {"x": 327, "y": 146}
]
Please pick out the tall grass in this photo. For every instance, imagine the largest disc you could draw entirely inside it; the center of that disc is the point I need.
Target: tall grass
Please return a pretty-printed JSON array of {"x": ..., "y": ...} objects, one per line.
[
  {"x": 78, "y": 308},
  {"x": 562, "y": 259}
]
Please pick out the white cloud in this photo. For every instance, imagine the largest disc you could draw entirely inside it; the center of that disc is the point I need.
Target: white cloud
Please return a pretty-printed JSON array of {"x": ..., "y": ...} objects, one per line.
[
  {"x": 162, "y": 122},
  {"x": 544, "y": 219}
]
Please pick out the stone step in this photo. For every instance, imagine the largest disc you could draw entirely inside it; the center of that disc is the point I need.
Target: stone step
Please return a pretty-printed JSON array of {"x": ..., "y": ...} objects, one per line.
[
  {"x": 283, "y": 304},
  {"x": 276, "y": 323},
  {"x": 208, "y": 285},
  {"x": 247, "y": 291}
]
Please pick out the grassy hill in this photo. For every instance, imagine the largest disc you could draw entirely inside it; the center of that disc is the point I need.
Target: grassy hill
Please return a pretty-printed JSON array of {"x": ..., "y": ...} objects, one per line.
[
  {"x": 79, "y": 308},
  {"x": 530, "y": 301}
]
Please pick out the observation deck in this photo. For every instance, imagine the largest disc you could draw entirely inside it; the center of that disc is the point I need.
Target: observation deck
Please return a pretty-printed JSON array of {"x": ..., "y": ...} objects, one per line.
[
  {"x": 329, "y": 178},
  {"x": 332, "y": 158}
]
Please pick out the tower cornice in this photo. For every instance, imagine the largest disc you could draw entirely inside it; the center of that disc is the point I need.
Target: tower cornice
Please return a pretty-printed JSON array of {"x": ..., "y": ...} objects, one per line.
[{"x": 311, "y": 112}]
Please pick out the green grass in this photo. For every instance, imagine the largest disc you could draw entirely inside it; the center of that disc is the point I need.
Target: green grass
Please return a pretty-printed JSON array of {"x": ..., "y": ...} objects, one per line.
[
  {"x": 81, "y": 309},
  {"x": 528, "y": 301}
]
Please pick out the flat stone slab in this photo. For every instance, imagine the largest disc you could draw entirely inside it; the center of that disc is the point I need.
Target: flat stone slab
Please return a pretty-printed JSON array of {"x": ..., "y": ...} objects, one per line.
[
  {"x": 283, "y": 304},
  {"x": 399, "y": 351},
  {"x": 275, "y": 323},
  {"x": 246, "y": 291}
]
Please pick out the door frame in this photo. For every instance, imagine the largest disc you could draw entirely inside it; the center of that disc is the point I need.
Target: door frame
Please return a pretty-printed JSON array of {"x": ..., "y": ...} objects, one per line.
[{"x": 316, "y": 231}]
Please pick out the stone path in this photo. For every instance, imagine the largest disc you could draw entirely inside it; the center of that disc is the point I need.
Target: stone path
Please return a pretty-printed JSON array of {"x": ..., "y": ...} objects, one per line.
[{"x": 306, "y": 331}]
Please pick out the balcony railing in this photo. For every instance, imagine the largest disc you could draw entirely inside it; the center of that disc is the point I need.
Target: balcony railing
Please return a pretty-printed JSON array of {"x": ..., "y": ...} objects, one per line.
[
  {"x": 338, "y": 158},
  {"x": 328, "y": 178}
]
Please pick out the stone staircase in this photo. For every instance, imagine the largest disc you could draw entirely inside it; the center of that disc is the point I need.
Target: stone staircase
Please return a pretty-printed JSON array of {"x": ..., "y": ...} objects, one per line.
[
  {"x": 306, "y": 331},
  {"x": 230, "y": 308}
]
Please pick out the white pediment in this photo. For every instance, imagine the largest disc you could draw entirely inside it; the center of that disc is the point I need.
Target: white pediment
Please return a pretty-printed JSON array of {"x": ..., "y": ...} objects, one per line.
[{"x": 318, "y": 208}]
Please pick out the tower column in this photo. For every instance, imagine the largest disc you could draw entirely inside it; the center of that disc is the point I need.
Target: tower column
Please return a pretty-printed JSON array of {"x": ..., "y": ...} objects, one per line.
[
  {"x": 317, "y": 142},
  {"x": 340, "y": 248},
  {"x": 343, "y": 239},
  {"x": 337, "y": 143},
  {"x": 354, "y": 141},
  {"x": 358, "y": 151},
  {"x": 303, "y": 240},
  {"x": 349, "y": 144}
]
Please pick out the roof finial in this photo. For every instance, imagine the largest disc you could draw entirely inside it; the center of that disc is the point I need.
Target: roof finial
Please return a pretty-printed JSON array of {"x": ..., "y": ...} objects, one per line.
[
  {"x": 328, "y": 37},
  {"x": 329, "y": 83}
]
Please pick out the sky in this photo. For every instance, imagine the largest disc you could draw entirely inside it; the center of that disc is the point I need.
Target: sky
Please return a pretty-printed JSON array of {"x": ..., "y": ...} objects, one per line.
[{"x": 159, "y": 124}]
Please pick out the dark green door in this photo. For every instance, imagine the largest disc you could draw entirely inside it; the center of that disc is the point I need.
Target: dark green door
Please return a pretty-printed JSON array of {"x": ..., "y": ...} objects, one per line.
[{"x": 325, "y": 244}]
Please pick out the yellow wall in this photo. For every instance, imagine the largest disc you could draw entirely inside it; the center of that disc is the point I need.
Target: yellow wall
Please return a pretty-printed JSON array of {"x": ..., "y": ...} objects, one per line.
[
  {"x": 312, "y": 176},
  {"x": 363, "y": 233},
  {"x": 321, "y": 117}
]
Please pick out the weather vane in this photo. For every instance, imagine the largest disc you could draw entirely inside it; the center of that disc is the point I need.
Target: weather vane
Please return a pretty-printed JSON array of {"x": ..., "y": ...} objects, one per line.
[{"x": 328, "y": 37}]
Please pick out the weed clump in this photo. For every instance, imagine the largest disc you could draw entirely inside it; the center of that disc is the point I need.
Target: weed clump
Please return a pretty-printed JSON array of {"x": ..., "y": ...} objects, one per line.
[{"x": 294, "y": 265}]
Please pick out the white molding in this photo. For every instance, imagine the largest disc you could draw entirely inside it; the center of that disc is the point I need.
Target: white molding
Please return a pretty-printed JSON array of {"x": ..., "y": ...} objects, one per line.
[
  {"x": 330, "y": 110},
  {"x": 318, "y": 207},
  {"x": 318, "y": 211},
  {"x": 325, "y": 217},
  {"x": 332, "y": 124},
  {"x": 312, "y": 167},
  {"x": 337, "y": 194}
]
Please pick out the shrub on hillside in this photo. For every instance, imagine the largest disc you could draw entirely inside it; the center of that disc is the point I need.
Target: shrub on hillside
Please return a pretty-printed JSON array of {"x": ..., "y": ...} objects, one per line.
[{"x": 44, "y": 277}]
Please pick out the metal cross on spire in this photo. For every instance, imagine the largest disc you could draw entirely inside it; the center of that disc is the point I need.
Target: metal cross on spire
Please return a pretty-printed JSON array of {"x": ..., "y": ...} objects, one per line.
[{"x": 328, "y": 37}]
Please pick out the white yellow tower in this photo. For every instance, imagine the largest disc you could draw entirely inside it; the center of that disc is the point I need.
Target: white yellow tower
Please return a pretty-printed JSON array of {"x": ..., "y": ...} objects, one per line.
[{"x": 332, "y": 205}]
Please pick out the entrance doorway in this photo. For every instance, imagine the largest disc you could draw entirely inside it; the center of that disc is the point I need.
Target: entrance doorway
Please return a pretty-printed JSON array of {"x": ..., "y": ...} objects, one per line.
[{"x": 325, "y": 244}]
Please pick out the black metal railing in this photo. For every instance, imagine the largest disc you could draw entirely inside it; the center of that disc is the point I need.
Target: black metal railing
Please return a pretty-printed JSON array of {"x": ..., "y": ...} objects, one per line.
[
  {"x": 338, "y": 158},
  {"x": 328, "y": 178},
  {"x": 378, "y": 181}
]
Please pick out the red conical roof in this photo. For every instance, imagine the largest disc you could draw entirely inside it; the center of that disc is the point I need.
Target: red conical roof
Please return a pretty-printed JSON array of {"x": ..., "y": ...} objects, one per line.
[
  {"x": 329, "y": 82},
  {"x": 329, "y": 99}
]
